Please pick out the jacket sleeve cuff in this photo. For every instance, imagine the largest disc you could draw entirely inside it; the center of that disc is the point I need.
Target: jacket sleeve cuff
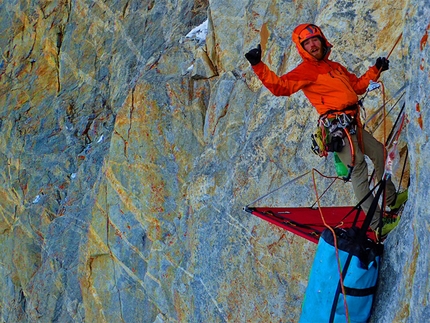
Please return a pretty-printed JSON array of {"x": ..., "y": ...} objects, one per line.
[
  {"x": 375, "y": 71},
  {"x": 258, "y": 67}
]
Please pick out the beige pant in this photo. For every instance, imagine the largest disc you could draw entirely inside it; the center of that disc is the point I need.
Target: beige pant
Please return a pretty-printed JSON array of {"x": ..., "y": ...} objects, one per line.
[{"x": 359, "y": 177}]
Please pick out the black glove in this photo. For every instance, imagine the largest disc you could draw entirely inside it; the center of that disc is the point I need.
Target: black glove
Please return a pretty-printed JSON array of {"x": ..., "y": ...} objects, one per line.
[
  {"x": 382, "y": 64},
  {"x": 254, "y": 55}
]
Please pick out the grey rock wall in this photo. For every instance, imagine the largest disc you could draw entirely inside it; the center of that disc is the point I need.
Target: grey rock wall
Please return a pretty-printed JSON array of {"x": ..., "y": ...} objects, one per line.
[{"x": 129, "y": 148}]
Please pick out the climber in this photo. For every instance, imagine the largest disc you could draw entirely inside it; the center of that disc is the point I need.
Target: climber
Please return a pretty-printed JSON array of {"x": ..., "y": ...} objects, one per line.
[{"x": 333, "y": 91}]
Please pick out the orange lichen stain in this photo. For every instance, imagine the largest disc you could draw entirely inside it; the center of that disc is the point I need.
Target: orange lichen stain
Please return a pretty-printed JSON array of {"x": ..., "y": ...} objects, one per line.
[
  {"x": 264, "y": 36},
  {"x": 157, "y": 197},
  {"x": 252, "y": 27},
  {"x": 420, "y": 118},
  {"x": 423, "y": 41},
  {"x": 40, "y": 234},
  {"x": 118, "y": 233},
  {"x": 24, "y": 187},
  {"x": 154, "y": 231},
  {"x": 409, "y": 274}
]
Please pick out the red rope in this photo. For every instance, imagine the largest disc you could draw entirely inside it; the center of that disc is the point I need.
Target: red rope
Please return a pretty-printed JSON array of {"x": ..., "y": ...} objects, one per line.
[
  {"x": 395, "y": 44},
  {"x": 391, "y": 51}
]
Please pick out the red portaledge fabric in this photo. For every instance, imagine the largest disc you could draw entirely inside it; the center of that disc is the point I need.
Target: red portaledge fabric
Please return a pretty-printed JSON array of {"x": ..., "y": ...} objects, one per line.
[{"x": 306, "y": 222}]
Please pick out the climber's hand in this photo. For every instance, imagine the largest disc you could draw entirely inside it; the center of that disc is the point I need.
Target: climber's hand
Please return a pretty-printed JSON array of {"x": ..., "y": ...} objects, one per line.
[
  {"x": 254, "y": 55},
  {"x": 382, "y": 64}
]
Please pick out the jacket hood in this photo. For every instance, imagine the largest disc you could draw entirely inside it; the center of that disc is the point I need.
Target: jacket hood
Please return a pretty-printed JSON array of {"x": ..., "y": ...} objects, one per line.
[{"x": 305, "y": 31}]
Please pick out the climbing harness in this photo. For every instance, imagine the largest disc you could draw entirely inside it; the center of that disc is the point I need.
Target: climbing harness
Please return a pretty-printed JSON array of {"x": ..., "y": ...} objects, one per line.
[
  {"x": 338, "y": 127},
  {"x": 333, "y": 127}
]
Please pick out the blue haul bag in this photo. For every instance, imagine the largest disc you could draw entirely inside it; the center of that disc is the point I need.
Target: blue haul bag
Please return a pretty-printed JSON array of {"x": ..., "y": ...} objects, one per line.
[{"x": 359, "y": 258}]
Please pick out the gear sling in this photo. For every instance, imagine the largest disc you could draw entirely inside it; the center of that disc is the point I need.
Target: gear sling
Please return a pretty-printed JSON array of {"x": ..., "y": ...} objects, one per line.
[
  {"x": 347, "y": 295},
  {"x": 333, "y": 127}
]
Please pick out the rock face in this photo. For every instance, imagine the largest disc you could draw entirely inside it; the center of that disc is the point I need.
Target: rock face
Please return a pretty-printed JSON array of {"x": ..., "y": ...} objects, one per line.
[{"x": 130, "y": 145}]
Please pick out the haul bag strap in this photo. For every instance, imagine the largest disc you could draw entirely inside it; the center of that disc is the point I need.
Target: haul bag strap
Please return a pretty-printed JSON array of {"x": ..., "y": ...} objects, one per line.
[
  {"x": 372, "y": 210},
  {"x": 358, "y": 292}
]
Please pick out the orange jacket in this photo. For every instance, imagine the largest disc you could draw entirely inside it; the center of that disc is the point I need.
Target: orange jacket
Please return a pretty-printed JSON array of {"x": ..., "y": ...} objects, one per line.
[{"x": 327, "y": 84}]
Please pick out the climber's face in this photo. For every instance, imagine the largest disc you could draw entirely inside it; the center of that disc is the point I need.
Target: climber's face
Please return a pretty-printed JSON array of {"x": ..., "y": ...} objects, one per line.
[{"x": 314, "y": 47}]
